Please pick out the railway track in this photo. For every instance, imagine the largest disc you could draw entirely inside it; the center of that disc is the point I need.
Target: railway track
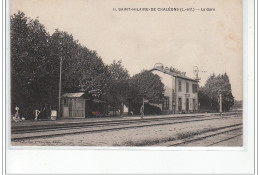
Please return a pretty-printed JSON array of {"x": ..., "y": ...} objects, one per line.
[
  {"x": 226, "y": 139},
  {"x": 39, "y": 128},
  {"x": 205, "y": 135},
  {"x": 35, "y": 128},
  {"x": 22, "y": 133}
]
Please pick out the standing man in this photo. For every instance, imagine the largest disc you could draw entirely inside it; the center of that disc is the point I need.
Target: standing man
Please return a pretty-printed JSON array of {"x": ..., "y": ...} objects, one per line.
[
  {"x": 17, "y": 113},
  {"x": 142, "y": 111},
  {"x": 48, "y": 111},
  {"x": 36, "y": 112},
  {"x": 16, "y": 117},
  {"x": 42, "y": 114}
]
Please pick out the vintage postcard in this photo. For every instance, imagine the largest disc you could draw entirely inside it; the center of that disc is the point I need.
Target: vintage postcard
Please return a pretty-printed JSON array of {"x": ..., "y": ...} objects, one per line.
[{"x": 120, "y": 73}]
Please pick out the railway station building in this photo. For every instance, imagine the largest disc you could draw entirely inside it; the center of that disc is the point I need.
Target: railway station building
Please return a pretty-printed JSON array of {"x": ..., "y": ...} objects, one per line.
[{"x": 181, "y": 92}]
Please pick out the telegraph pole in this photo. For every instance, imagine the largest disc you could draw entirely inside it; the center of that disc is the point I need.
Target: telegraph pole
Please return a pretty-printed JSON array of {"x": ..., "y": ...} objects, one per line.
[
  {"x": 220, "y": 105},
  {"x": 60, "y": 88},
  {"x": 143, "y": 100}
]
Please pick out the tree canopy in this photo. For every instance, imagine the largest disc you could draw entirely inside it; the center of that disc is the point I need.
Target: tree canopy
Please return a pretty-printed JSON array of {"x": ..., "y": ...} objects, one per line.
[
  {"x": 35, "y": 59},
  {"x": 209, "y": 94},
  {"x": 35, "y": 66},
  {"x": 29, "y": 57},
  {"x": 119, "y": 85},
  {"x": 148, "y": 84}
]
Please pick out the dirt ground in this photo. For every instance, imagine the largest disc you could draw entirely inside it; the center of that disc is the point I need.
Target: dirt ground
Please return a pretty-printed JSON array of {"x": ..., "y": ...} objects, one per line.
[{"x": 133, "y": 137}]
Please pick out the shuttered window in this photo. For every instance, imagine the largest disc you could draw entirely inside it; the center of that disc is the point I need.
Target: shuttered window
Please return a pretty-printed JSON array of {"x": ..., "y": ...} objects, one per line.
[
  {"x": 187, "y": 87},
  {"x": 194, "y": 88},
  {"x": 179, "y": 85},
  {"x": 166, "y": 103}
]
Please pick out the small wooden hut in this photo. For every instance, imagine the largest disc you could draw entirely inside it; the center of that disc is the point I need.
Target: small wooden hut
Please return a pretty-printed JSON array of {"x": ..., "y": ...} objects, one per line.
[
  {"x": 73, "y": 105},
  {"x": 79, "y": 105}
]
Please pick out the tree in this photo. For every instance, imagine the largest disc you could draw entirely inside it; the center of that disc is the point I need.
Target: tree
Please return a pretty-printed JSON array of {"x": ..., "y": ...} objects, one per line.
[
  {"x": 35, "y": 66},
  {"x": 35, "y": 60},
  {"x": 209, "y": 94},
  {"x": 145, "y": 84},
  {"x": 29, "y": 53},
  {"x": 82, "y": 68},
  {"x": 119, "y": 85},
  {"x": 228, "y": 98}
]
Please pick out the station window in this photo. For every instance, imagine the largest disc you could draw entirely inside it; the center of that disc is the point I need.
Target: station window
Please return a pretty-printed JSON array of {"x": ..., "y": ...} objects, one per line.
[
  {"x": 187, "y": 87},
  {"x": 166, "y": 103},
  {"x": 194, "y": 88},
  {"x": 179, "y": 83}
]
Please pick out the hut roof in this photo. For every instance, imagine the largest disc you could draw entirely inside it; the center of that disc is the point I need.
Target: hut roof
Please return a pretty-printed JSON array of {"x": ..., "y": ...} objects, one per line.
[{"x": 73, "y": 95}]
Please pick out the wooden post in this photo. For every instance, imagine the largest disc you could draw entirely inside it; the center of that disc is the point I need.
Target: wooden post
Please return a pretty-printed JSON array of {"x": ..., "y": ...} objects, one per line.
[
  {"x": 220, "y": 105},
  {"x": 121, "y": 109},
  {"x": 60, "y": 88},
  {"x": 143, "y": 101}
]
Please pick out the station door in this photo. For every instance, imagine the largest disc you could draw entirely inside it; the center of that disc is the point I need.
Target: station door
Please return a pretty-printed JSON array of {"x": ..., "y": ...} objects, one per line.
[
  {"x": 75, "y": 108},
  {"x": 187, "y": 104}
]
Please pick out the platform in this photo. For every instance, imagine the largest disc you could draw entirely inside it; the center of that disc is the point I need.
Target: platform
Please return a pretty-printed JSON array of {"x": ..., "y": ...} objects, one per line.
[{"x": 97, "y": 119}]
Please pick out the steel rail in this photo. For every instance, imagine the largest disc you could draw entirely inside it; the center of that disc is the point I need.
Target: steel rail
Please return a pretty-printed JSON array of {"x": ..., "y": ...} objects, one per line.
[
  {"x": 107, "y": 129},
  {"x": 36, "y": 127},
  {"x": 211, "y": 135},
  {"x": 225, "y": 140},
  {"x": 39, "y": 128}
]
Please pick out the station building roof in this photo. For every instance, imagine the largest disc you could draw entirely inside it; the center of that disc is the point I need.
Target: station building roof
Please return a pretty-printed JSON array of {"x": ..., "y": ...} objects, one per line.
[{"x": 174, "y": 74}]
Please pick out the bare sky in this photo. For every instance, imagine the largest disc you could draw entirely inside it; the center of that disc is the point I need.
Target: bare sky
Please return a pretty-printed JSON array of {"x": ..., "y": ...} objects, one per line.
[{"x": 211, "y": 40}]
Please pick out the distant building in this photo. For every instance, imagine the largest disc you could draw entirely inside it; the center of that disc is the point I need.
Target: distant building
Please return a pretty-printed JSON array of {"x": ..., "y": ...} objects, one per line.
[{"x": 181, "y": 92}]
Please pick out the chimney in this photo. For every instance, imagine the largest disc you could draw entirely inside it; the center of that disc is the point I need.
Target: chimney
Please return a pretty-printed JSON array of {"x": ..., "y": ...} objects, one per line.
[
  {"x": 167, "y": 69},
  {"x": 158, "y": 66}
]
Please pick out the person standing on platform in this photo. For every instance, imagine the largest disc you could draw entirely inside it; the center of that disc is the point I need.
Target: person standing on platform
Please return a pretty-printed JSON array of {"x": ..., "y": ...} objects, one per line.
[
  {"x": 48, "y": 111},
  {"x": 36, "y": 113},
  {"x": 142, "y": 111},
  {"x": 16, "y": 117},
  {"x": 42, "y": 114}
]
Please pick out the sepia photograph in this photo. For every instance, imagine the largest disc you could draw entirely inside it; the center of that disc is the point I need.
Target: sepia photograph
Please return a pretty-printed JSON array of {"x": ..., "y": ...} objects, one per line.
[{"x": 120, "y": 73}]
